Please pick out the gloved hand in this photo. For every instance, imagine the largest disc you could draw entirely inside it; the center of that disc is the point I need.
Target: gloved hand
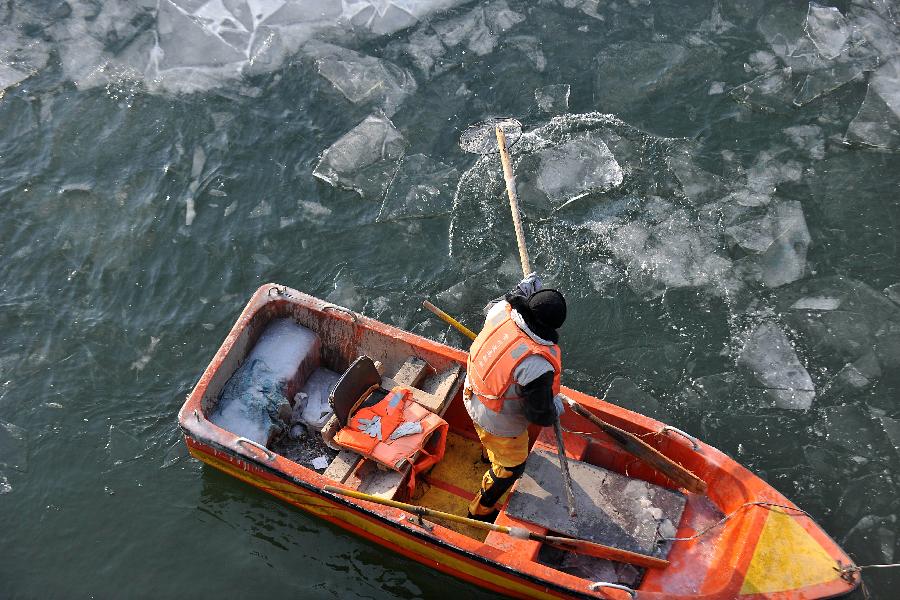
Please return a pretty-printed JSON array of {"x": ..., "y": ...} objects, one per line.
[
  {"x": 558, "y": 405},
  {"x": 529, "y": 285}
]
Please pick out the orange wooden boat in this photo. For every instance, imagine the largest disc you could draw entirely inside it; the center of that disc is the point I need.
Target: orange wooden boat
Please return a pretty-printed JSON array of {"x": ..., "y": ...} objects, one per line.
[{"x": 760, "y": 551}]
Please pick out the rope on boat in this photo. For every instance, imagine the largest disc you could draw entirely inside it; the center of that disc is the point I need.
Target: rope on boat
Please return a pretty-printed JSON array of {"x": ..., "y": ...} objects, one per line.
[{"x": 766, "y": 505}]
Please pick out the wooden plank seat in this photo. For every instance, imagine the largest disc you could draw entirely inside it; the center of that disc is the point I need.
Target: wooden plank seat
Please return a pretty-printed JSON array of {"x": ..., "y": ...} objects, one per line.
[{"x": 353, "y": 470}]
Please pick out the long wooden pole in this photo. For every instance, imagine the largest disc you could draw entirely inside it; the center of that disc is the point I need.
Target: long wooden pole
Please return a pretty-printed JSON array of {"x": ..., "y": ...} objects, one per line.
[
  {"x": 567, "y": 543},
  {"x": 642, "y": 450},
  {"x": 513, "y": 202}
]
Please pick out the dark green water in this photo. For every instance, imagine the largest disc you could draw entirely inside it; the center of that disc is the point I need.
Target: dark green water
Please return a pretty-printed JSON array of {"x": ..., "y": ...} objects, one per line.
[{"x": 142, "y": 206}]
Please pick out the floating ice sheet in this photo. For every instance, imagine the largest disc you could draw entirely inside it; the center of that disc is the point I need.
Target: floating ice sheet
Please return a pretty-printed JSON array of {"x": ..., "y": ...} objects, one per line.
[
  {"x": 423, "y": 187},
  {"x": 186, "y": 46},
  {"x": 576, "y": 168},
  {"x": 769, "y": 357},
  {"x": 10, "y": 77},
  {"x": 365, "y": 159},
  {"x": 628, "y": 72},
  {"x": 553, "y": 99},
  {"x": 849, "y": 331},
  {"x": 13, "y": 447},
  {"x": 878, "y": 121},
  {"x": 828, "y": 29},
  {"x": 777, "y": 243},
  {"x": 363, "y": 80}
]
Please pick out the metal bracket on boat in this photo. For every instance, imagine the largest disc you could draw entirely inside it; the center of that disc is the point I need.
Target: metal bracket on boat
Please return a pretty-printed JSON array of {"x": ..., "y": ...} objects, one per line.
[
  {"x": 270, "y": 456},
  {"x": 420, "y": 522},
  {"x": 616, "y": 586},
  {"x": 197, "y": 415},
  {"x": 337, "y": 308},
  {"x": 694, "y": 443},
  {"x": 279, "y": 291}
]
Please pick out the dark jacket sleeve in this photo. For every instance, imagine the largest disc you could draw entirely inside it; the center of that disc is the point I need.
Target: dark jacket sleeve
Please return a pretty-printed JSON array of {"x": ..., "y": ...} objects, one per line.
[{"x": 538, "y": 400}]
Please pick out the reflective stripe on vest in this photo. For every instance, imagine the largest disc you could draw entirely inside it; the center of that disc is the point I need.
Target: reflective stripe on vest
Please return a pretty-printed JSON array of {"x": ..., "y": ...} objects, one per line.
[{"x": 495, "y": 354}]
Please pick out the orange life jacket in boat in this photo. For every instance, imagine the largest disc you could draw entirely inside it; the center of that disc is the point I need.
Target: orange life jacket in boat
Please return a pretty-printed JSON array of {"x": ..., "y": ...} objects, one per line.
[
  {"x": 396, "y": 408},
  {"x": 495, "y": 354}
]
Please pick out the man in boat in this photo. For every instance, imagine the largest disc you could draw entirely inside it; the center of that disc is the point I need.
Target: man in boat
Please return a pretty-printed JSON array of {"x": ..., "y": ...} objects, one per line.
[{"x": 512, "y": 381}]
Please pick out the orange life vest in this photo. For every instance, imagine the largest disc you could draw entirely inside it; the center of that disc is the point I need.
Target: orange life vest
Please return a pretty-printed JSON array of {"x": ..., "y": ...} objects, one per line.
[
  {"x": 495, "y": 354},
  {"x": 396, "y": 408}
]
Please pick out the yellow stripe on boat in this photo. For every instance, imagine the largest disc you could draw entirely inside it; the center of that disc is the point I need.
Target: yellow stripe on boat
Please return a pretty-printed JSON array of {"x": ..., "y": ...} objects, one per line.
[
  {"x": 300, "y": 497},
  {"x": 787, "y": 558}
]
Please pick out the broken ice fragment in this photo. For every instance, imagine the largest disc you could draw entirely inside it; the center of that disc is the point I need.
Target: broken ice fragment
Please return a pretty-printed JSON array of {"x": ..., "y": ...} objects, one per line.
[
  {"x": 878, "y": 121},
  {"x": 553, "y": 99},
  {"x": 828, "y": 29},
  {"x": 816, "y": 303},
  {"x": 893, "y": 292},
  {"x": 777, "y": 243},
  {"x": 628, "y": 72},
  {"x": 576, "y": 168},
  {"x": 13, "y": 447},
  {"x": 423, "y": 187},
  {"x": 365, "y": 159},
  {"x": 364, "y": 79},
  {"x": 808, "y": 138},
  {"x": 773, "y": 91},
  {"x": 10, "y": 77},
  {"x": 770, "y": 359}
]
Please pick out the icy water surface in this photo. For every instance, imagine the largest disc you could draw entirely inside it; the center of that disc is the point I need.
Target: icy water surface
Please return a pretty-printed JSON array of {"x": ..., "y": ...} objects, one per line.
[{"x": 713, "y": 184}]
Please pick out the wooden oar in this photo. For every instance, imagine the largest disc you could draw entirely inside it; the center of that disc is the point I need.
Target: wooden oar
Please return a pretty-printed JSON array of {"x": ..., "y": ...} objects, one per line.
[
  {"x": 566, "y": 543},
  {"x": 642, "y": 450},
  {"x": 449, "y": 320}
]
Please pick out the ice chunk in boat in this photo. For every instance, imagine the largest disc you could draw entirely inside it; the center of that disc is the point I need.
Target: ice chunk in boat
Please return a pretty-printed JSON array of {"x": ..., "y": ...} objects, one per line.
[
  {"x": 253, "y": 405},
  {"x": 423, "y": 187},
  {"x": 314, "y": 409},
  {"x": 363, "y": 79},
  {"x": 777, "y": 243},
  {"x": 365, "y": 159},
  {"x": 553, "y": 99},
  {"x": 254, "y": 402},
  {"x": 769, "y": 357}
]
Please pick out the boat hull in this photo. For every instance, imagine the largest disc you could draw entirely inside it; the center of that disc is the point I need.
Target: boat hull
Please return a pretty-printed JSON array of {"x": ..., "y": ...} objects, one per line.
[{"x": 760, "y": 551}]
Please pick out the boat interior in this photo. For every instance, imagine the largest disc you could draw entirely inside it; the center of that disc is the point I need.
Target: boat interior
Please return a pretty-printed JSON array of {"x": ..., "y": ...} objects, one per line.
[{"x": 435, "y": 377}]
